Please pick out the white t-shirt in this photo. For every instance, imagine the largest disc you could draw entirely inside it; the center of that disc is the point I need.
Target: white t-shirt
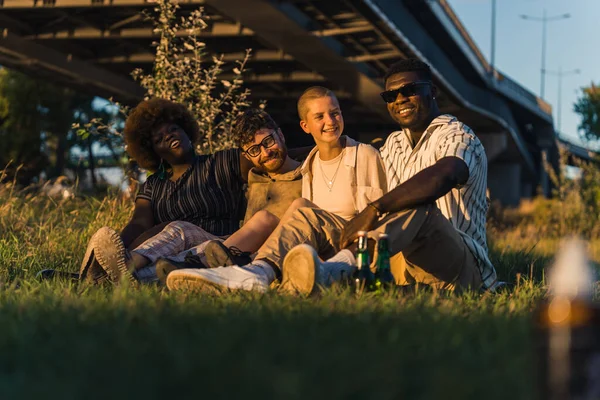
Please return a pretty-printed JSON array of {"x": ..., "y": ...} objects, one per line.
[{"x": 332, "y": 190}]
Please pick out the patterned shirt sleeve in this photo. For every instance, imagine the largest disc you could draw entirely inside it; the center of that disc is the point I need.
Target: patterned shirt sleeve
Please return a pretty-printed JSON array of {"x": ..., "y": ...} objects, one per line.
[
  {"x": 145, "y": 191},
  {"x": 227, "y": 164},
  {"x": 459, "y": 141},
  {"x": 390, "y": 152}
]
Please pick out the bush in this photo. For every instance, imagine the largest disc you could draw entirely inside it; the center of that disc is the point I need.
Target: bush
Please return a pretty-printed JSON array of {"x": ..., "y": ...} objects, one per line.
[
  {"x": 574, "y": 208},
  {"x": 182, "y": 74}
]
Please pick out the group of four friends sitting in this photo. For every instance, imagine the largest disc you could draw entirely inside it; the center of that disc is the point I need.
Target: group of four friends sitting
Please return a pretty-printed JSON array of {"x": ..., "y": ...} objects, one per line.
[{"x": 425, "y": 188}]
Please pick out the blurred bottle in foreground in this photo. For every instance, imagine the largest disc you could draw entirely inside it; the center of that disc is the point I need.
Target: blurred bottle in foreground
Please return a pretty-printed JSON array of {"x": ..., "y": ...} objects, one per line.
[
  {"x": 383, "y": 276},
  {"x": 567, "y": 331}
]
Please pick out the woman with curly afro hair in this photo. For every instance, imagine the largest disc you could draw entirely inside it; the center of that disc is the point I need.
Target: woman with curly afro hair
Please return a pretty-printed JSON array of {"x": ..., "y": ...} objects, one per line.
[
  {"x": 143, "y": 124},
  {"x": 204, "y": 190}
]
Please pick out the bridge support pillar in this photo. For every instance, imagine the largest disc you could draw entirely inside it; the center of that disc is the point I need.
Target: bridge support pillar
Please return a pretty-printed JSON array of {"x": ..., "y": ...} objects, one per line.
[
  {"x": 544, "y": 178},
  {"x": 504, "y": 182},
  {"x": 494, "y": 144},
  {"x": 546, "y": 141}
]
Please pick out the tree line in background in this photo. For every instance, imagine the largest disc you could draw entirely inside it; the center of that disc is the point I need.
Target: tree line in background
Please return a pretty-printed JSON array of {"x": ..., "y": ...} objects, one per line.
[
  {"x": 588, "y": 107},
  {"x": 36, "y": 133},
  {"x": 41, "y": 124}
]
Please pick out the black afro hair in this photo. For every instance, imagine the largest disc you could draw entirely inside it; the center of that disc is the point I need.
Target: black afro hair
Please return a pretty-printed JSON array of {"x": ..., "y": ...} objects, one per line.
[{"x": 145, "y": 118}]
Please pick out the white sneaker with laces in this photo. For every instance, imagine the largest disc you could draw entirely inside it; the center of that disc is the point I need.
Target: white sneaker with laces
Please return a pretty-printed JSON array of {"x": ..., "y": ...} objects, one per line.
[{"x": 217, "y": 280}]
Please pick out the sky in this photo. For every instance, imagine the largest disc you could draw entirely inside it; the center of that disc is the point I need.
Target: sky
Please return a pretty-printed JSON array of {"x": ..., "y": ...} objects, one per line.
[{"x": 570, "y": 44}]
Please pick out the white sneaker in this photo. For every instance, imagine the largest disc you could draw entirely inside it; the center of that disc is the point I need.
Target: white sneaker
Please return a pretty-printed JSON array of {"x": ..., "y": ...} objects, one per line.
[
  {"x": 302, "y": 270},
  {"x": 217, "y": 280}
]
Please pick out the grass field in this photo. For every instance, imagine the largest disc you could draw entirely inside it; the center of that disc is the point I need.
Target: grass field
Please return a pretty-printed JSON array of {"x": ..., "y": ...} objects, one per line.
[{"x": 58, "y": 340}]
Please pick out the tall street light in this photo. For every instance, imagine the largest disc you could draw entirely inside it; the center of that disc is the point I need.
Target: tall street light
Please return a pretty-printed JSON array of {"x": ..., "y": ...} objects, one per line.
[
  {"x": 544, "y": 20},
  {"x": 560, "y": 73},
  {"x": 493, "y": 47}
]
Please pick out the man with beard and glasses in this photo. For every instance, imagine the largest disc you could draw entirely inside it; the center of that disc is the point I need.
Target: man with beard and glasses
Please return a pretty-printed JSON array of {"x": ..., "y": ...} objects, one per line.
[
  {"x": 340, "y": 177},
  {"x": 434, "y": 213},
  {"x": 274, "y": 182}
]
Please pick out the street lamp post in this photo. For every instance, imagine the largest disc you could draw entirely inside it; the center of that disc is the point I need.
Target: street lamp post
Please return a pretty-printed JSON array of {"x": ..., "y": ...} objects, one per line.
[
  {"x": 493, "y": 47},
  {"x": 560, "y": 73},
  {"x": 544, "y": 20}
]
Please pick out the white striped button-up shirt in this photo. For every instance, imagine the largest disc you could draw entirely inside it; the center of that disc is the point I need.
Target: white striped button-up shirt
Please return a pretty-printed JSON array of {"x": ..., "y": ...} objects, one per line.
[{"x": 466, "y": 206}]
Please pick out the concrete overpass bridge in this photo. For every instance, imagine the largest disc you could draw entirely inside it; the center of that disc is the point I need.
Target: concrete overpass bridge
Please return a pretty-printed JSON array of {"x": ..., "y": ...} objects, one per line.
[
  {"x": 576, "y": 153},
  {"x": 346, "y": 45}
]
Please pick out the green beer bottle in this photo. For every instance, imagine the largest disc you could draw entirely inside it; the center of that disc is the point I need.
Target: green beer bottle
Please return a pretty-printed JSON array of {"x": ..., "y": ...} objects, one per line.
[
  {"x": 383, "y": 277},
  {"x": 365, "y": 279}
]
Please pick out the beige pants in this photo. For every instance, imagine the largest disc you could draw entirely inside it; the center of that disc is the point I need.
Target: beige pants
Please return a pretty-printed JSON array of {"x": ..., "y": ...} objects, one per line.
[{"x": 424, "y": 246}]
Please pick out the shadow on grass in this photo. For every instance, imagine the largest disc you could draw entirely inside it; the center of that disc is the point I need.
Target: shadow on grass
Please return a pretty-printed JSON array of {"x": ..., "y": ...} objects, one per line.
[{"x": 59, "y": 341}]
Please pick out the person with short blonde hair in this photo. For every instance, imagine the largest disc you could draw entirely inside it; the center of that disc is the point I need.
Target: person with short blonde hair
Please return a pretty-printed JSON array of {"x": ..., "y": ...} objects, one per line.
[
  {"x": 434, "y": 213},
  {"x": 340, "y": 177},
  {"x": 313, "y": 92}
]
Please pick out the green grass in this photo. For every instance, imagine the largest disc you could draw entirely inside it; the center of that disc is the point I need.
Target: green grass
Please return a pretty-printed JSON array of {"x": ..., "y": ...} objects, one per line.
[{"x": 58, "y": 340}]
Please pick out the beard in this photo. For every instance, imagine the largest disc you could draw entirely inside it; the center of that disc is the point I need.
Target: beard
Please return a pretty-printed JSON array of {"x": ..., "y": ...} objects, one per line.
[{"x": 274, "y": 161}]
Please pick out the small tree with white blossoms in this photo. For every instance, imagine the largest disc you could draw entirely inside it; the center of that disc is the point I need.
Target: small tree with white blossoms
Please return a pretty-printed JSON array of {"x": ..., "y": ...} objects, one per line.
[{"x": 180, "y": 74}]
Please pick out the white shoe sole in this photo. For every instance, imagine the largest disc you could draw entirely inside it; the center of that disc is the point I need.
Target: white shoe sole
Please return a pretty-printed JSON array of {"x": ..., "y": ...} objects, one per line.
[
  {"x": 299, "y": 270},
  {"x": 192, "y": 280},
  {"x": 182, "y": 281},
  {"x": 110, "y": 253}
]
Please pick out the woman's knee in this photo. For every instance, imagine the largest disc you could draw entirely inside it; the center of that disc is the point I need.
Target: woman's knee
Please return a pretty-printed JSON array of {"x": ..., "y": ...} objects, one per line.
[
  {"x": 301, "y": 202},
  {"x": 304, "y": 213},
  {"x": 265, "y": 217},
  {"x": 179, "y": 226}
]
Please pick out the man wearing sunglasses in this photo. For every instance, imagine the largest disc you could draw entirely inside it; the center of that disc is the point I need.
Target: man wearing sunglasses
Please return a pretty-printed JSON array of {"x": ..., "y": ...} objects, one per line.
[
  {"x": 434, "y": 213},
  {"x": 435, "y": 210}
]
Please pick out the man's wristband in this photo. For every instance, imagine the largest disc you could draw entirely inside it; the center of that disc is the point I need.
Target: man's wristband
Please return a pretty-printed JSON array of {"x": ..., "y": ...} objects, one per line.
[{"x": 379, "y": 213}]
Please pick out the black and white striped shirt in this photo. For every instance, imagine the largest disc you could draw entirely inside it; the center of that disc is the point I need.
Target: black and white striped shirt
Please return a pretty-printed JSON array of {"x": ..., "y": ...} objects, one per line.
[
  {"x": 465, "y": 207},
  {"x": 209, "y": 194}
]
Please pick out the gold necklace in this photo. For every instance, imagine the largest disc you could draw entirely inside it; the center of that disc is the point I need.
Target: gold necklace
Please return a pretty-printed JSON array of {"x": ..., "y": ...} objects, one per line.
[{"x": 329, "y": 182}]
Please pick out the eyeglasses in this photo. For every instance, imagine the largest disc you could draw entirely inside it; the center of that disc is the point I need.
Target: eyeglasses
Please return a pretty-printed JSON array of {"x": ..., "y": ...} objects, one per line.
[
  {"x": 254, "y": 151},
  {"x": 410, "y": 89}
]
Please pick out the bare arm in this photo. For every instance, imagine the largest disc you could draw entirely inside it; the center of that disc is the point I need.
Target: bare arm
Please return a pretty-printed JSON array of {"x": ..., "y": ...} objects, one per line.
[
  {"x": 141, "y": 221},
  {"x": 425, "y": 187}
]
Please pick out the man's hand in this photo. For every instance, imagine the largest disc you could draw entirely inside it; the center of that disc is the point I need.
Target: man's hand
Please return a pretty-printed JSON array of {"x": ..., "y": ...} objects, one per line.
[{"x": 364, "y": 221}]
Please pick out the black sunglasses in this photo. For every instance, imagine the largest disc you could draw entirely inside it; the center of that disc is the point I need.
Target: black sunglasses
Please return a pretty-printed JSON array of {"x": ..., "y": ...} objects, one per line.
[
  {"x": 267, "y": 142},
  {"x": 410, "y": 89}
]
